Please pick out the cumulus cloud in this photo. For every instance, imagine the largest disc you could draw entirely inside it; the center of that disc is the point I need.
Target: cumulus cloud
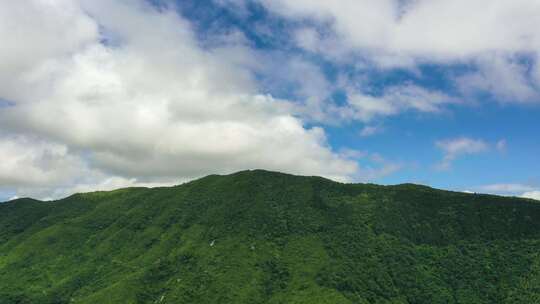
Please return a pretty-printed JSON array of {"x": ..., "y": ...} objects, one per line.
[
  {"x": 119, "y": 93},
  {"x": 493, "y": 35},
  {"x": 457, "y": 147},
  {"x": 503, "y": 78},
  {"x": 36, "y": 162},
  {"x": 39, "y": 168},
  {"x": 301, "y": 79},
  {"x": 436, "y": 29},
  {"x": 35, "y": 31},
  {"x": 394, "y": 100}
]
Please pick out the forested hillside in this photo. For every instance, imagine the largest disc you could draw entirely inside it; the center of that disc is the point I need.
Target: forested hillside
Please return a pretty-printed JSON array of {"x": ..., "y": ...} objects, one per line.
[{"x": 264, "y": 237}]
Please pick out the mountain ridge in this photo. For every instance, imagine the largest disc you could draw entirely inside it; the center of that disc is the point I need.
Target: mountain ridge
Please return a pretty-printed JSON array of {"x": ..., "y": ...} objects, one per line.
[
  {"x": 266, "y": 237},
  {"x": 255, "y": 171}
]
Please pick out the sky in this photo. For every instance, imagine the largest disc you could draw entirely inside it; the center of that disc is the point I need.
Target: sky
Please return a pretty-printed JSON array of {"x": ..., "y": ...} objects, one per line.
[{"x": 103, "y": 94}]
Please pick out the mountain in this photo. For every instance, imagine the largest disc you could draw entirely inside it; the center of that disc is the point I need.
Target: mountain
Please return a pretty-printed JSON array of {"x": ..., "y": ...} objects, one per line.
[{"x": 266, "y": 237}]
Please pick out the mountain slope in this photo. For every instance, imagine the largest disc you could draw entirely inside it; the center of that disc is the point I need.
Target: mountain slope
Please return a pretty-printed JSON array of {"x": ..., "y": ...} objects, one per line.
[{"x": 265, "y": 237}]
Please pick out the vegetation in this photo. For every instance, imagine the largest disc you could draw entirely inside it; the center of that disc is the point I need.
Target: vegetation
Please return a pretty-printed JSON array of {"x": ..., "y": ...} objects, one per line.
[{"x": 265, "y": 237}]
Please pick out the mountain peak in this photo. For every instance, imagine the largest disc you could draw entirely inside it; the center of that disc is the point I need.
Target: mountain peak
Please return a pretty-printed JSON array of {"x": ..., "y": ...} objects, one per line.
[{"x": 259, "y": 236}]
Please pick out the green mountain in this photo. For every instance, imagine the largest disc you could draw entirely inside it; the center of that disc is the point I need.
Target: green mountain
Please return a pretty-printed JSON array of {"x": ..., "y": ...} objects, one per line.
[{"x": 264, "y": 237}]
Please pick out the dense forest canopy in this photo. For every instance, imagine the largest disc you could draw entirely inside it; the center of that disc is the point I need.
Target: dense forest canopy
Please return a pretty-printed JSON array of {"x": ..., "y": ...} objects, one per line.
[{"x": 266, "y": 237}]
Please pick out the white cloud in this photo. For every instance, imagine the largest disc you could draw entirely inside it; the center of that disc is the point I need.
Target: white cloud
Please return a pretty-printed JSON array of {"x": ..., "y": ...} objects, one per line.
[
  {"x": 504, "y": 78},
  {"x": 457, "y": 147},
  {"x": 36, "y": 162},
  {"x": 506, "y": 188},
  {"x": 365, "y": 107},
  {"x": 501, "y": 145},
  {"x": 149, "y": 106},
  {"x": 303, "y": 79},
  {"x": 42, "y": 169},
  {"x": 532, "y": 194},
  {"x": 35, "y": 31},
  {"x": 511, "y": 189},
  {"x": 352, "y": 153},
  {"x": 435, "y": 29},
  {"x": 373, "y": 166},
  {"x": 374, "y": 173},
  {"x": 491, "y": 34},
  {"x": 370, "y": 131},
  {"x": 394, "y": 100}
]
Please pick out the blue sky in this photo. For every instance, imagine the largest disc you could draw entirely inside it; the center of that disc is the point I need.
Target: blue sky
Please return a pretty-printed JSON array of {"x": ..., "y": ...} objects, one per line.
[{"x": 147, "y": 93}]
